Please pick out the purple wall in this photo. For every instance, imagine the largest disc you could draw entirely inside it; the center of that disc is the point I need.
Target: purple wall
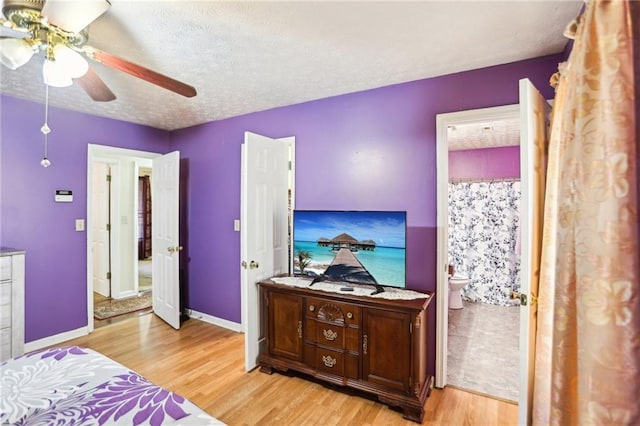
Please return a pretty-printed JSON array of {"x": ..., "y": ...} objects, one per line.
[
  {"x": 56, "y": 271},
  {"x": 489, "y": 163},
  {"x": 367, "y": 150}
]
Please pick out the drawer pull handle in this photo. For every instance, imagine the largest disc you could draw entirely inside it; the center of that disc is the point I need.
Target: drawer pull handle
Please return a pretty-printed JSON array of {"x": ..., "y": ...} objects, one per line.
[
  {"x": 365, "y": 344},
  {"x": 312, "y": 308},
  {"x": 329, "y": 361},
  {"x": 349, "y": 315},
  {"x": 330, "y": 334},
  {"x": 300, "y": 329}
]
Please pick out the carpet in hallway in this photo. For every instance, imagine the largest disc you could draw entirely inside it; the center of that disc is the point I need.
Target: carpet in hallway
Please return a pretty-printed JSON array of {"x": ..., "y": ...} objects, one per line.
[{"x": 115, "y": 307}]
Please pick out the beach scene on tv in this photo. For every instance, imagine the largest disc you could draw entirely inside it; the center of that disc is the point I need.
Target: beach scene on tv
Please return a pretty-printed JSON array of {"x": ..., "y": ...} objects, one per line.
[{"x": 366, "y": 247}]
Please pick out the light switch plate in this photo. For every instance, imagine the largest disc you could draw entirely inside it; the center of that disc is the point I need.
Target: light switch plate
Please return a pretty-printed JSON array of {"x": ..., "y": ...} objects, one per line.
[
  {"x": 79, "y": 225},
  {"x": 236, "y": 224}
]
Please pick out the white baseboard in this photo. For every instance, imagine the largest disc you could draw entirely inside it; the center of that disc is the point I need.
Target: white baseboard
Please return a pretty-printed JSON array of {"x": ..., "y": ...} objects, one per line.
[
  {"x": 83, "y": 331},
  {"x": 229, "y": 325},
  {"x": 54, "y": 340}
]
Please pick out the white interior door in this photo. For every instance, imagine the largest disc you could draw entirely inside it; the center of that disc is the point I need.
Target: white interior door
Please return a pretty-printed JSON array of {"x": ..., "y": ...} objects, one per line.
[
  {"x": 165, "y": 238},
  {"x": 264, "y": 227},
  {"x": 100, "y": 246},
  {"x": 534, "y": 117}
]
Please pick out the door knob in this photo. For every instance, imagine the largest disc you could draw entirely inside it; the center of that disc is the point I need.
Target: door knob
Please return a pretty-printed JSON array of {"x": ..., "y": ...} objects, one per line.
[
  {"x": 174, "y": 249},
  {"x": 252, "y": 265},
  {"x": 524, "y": 301}
]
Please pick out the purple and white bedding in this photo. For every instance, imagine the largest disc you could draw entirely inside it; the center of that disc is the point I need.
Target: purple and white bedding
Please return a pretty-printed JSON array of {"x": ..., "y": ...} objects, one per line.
[{"x": 78, "y": 386}]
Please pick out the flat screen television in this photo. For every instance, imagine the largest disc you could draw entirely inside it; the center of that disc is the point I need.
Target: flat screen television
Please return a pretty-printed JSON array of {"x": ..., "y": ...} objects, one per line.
[{"x": 360, "y": 247}]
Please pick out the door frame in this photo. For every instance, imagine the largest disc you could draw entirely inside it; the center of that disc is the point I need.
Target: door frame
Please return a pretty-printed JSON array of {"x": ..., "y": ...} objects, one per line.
[
  {"x": 105, "y": 153},
  {"x": 442, "y": 214},
  {"x": 139, "y": 163}
]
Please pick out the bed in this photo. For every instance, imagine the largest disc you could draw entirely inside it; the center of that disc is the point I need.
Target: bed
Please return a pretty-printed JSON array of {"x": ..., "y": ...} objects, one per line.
[{"x": 79, "y": 386}]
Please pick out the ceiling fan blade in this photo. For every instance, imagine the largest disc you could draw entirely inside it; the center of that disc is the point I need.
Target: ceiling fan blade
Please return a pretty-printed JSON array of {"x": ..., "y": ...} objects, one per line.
[
  {"x": 74, "y": 15},
  {"x": 140, "y": 72},
  {"x": 95, "y": 87}
]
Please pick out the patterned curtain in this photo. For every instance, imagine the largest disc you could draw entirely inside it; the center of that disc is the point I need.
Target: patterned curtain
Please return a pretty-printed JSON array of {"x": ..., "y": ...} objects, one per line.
[
  {"x": 144, "y": 217},
  {"x": 483, "y": 238},
  {"x": 587, "y": 362}
]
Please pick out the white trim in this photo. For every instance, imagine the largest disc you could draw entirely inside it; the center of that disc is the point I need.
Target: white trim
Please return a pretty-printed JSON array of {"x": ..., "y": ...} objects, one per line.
[
  {"x": 442, "y": 259},
  {"x": 125, "y": 294},
  {"x": 55, "y": 339},
  {"x": 137, "y": 164},
  {"x": 115, "y": 213},
  {"x": 243, "y": 286},
  {"x": 229, "y": 325},
  {"x": 136, "y": 230}
]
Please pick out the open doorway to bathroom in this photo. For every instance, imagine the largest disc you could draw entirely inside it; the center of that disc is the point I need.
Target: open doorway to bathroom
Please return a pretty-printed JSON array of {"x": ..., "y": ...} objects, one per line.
[{"x": 483, "y": 193}]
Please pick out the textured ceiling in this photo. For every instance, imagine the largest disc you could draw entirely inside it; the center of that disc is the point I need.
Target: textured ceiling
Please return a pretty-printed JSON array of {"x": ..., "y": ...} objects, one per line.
[
  {"x": 245, "y": 57},
  {"x": 491, "y": 134}
]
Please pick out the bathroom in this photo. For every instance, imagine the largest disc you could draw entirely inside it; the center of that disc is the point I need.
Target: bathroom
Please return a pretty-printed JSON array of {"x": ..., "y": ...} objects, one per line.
[{"x": 483, "y": 249}]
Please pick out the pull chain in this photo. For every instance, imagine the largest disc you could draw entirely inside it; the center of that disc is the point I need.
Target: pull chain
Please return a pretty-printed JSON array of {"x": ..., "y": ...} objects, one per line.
[{"x": 45, "y": 129}]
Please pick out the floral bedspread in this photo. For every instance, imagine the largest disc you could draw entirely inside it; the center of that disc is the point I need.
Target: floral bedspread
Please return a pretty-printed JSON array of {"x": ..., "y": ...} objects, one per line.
[{"x": 78, "y": 386}]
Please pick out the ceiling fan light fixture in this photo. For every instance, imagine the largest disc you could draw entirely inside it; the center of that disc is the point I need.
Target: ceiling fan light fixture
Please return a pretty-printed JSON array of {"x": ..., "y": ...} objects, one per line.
[
  {"x": 55, "y": 75},
  {"x": 75, "y": 65},
  {"x": 14, "y": 52},
  {"x": 63, "y": 64}
]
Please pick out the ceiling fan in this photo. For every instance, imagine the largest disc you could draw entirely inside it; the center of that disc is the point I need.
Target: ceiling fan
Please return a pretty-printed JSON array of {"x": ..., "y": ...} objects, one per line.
[{"x": 58, "y": 28}]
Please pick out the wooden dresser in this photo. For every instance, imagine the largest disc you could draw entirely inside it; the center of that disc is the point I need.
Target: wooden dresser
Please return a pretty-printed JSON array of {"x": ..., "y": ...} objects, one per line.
[
  {"x": 11, "y": 303},
  {"x": 370, "y": 344}
]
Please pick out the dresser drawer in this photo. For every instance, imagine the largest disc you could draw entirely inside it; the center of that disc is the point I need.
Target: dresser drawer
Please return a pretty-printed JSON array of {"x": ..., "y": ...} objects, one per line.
[
  {"x": 330, "y": 361},
  {"x": 5, "y": 317},
  {"x": 5, "y": 294},
  {"x": 5, "y": 268},
  {"x": 333, "y": 312},
  {"x": 333, "y": 336},
  {"x": 326, "y": 334},
  {"x": 338, "y": 363},
  {"x": 5, "y": 344}
]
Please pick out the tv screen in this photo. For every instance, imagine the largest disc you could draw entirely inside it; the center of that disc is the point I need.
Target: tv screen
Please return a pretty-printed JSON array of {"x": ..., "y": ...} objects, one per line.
[{"x": 365, "y": 247}]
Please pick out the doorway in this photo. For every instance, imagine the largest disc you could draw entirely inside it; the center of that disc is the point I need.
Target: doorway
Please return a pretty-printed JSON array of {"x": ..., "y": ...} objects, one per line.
[
  {"x": 482, "y": 248},
  {"x": 445, "y": 122},
  {"x": 534, "y": 112},
  {"x": 143, "y": 230},
  {"x": 119, "y": 269}
]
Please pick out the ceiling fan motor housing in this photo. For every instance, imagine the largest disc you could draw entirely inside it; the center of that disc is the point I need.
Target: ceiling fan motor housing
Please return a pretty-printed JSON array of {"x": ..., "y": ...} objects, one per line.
[
  {"x": 20, "y": 12},
  {"x": 26, "y": 14}
]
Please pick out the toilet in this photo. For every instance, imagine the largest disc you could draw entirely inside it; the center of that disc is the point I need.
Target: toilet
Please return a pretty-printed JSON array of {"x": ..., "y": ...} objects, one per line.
[{"x": 456, "y": 283}]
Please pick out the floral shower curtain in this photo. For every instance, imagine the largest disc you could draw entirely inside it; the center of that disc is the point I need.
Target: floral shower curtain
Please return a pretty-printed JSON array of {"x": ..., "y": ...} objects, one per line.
[
  {"x": 483, "y": 238},
  {"x": 587, "y": 362}
]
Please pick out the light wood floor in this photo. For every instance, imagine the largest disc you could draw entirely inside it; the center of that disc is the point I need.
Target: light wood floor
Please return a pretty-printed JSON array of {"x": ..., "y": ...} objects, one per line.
[{"x": 205, "y": 364}]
